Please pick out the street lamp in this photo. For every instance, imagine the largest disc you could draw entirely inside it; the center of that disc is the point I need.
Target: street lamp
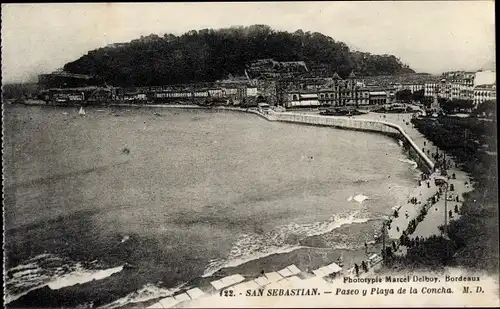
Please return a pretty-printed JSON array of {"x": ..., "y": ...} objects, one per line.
[
  {"x": 445, "y": 227},
  {"x": 384, "y": 250}
]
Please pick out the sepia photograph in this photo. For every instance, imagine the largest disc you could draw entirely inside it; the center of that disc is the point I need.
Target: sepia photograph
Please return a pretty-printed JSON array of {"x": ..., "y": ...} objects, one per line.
[{"x": 249, "y": 154}]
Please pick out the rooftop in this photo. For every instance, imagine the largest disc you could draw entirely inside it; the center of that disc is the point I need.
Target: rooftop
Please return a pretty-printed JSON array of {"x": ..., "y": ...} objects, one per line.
[
  {"x": 336, "y": 76},
  {"x": 67, "y": 74},
  {"x": 489, "y": 86}
]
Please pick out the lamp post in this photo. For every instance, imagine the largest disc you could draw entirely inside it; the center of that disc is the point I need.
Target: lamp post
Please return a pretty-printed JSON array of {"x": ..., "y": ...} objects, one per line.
[
  {"x": 384, "y": 251},
  {"x": 383, "y": 242},
  {"x": 445, "y": 229}
]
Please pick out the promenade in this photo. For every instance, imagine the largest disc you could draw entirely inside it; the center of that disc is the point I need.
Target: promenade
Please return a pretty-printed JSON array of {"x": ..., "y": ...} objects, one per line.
[{"x": 461, "y": 182}]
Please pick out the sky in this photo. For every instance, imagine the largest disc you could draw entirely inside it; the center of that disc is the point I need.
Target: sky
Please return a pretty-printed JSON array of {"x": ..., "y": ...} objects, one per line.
[{"x": 430, "y": 36}]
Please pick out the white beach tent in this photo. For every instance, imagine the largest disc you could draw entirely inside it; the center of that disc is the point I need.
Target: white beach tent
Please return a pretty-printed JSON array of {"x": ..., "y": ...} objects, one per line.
[{"x": 327, "y": 270}]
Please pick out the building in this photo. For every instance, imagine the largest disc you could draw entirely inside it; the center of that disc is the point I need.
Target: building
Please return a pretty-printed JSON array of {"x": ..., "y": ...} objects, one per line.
[
  {"x": 444, "y": 90},
  {"x": 484, "y": 93},
  {"x": 251, "y": 92},
  {"x": 272, "y": 69},
  {"x": 327, "y": 92},
  {"x": 378, "y": 97},
  {"x": 412, "y": 87},
  {"x": 459, "y": 85},
  {"x": 78, "y": 95},
  {"x": 430, "y": 88},
  {"x": 302, "y": 98}
]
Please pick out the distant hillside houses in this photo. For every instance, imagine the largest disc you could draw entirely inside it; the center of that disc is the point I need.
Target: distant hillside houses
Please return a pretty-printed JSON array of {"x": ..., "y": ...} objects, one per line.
[
  {"x": 62, "y": 79},
  {"x": 270, "y": 68},
  {"x": 289, "y": 84}
]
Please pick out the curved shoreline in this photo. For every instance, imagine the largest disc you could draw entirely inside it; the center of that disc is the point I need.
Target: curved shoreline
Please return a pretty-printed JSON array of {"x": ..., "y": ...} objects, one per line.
[
  {"x": 330, "y": 121},
  {"x": 316, "y": 120},
  {"x": 269, "y": 118}
]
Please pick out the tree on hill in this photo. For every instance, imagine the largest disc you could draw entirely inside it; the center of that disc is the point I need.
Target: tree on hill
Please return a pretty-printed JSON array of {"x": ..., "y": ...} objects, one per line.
[
  {"x": 418, "y": 96},
  {"x": 208, "y": 55},
  {"x": 427, "y": 101},
  {"x": 487, "y": 107},
  {"x": 458, "y": 105}
]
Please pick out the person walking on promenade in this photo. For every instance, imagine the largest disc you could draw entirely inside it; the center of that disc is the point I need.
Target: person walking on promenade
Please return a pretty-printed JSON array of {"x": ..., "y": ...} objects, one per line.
[
  {"x": 366, "y": 248},
  {"x": 364, "y": 266},
  {"x": 356, "y": 269}
]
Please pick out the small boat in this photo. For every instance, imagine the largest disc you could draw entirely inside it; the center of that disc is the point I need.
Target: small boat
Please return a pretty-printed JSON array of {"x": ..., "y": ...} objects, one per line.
[{"x": 81, "y": 112}]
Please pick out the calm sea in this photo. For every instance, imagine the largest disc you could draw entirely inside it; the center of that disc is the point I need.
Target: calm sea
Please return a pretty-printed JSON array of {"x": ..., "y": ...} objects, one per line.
[{"x": 197, "y": 191}]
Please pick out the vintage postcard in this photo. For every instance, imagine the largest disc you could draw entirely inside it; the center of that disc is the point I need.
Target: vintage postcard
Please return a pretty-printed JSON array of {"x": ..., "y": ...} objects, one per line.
[{"x": 250, "y": 154}]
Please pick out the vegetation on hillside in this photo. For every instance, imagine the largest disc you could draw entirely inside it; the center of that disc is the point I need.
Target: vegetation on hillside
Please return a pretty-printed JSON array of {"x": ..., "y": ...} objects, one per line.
[
  {"x": 209, "y": 55},
  {"x": 456, "y": 105},
  {"x": 407, "y": 96}
]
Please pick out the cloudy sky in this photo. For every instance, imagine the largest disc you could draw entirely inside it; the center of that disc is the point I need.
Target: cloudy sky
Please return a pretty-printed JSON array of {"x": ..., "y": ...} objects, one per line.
[{"x": 430, "y": 36}]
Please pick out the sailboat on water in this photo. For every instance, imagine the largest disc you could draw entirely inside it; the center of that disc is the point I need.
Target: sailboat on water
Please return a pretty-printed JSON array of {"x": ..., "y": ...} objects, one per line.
[{"x": 81, "y": 112}]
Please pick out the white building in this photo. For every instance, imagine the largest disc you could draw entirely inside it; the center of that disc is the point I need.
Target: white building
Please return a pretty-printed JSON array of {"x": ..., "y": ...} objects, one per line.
[
  {"x": 251, "y": 91},
  {"x": 303, "y": 99},
  {"x": 457, "y": 85},
  {"x": 216, "y": 93},
  {"x": 484, "y": 93},
  {"x": 378, "y": 97},
  {"x": 413, "y": 87},
  {"x": 430, "y": 89}
]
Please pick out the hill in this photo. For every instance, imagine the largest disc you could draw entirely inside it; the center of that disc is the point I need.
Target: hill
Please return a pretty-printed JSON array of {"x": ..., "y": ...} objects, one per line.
[{"x": 208, "y": 55}]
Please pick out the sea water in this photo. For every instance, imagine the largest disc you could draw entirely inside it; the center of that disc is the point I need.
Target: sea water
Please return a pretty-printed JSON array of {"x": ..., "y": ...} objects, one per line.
[{"x": 197, "y": 191}]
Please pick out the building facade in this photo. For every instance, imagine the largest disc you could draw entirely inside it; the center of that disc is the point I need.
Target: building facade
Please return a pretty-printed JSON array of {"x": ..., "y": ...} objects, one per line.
[
  {"x": 484, "y": 93},
  {"x": 430, "y": 89},
  {"x": 412, "y": 87},
  {"x": 329, "y": 92},
  {"x": 378, "y": 97}
]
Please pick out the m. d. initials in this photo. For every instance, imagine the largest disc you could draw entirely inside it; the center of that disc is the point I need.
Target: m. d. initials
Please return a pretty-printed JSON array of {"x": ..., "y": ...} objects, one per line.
[{"x": 467, "y": 290}]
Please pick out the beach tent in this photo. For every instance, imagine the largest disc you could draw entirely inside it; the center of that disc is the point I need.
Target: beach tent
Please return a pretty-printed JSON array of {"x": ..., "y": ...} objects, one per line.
[
  {"x": 374, "y": 259},
  {"x": 227, "y": 281},
  {"x": 327, "y": 270},
  {"x": 195, "y": 293}
]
